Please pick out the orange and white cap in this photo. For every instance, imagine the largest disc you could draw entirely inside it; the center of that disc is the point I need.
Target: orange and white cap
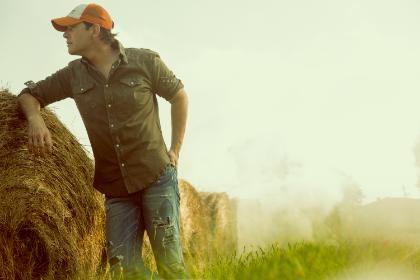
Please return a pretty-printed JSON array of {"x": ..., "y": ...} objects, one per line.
[{"x": 91, "y": 13}]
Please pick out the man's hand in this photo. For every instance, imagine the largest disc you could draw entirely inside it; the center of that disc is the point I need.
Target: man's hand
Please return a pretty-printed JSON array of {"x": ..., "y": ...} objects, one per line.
[
  {"x": 173, "y": 157},
  {"x": 39, "y": 137}
]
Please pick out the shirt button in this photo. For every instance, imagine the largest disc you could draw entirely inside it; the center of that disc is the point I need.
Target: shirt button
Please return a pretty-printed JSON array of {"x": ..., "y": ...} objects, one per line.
[
  {"x": 122, "y": 164},
  {"x": 109, "y": 105},
  {"x": 106, "y": 85},
  {"x": 81, "y": 89},
  {"x": 118, "y": 145},
  {"x": 131, "y": 83},
  {"x": 112, "y": 125}
]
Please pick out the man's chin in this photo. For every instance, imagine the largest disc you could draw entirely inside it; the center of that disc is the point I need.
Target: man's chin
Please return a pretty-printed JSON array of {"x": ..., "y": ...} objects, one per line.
[{"x": 71, "y": 52}]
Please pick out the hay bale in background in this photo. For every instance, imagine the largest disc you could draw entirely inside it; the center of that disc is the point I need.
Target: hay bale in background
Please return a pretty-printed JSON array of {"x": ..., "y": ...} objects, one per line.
[
  {"x": 195, "y": 222},
  {"x": 222, "y": 222},
  {"x": 51, "y": 218}
]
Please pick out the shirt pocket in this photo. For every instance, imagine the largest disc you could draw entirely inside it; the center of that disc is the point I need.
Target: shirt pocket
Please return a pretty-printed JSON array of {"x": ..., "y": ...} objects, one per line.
[
  {"x": 135, "y": 91},
  {"x": 84, "y": 97}
]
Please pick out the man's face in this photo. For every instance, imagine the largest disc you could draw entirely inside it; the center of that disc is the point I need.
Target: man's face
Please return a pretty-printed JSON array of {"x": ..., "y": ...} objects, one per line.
[{"x": 78, "y": 38}]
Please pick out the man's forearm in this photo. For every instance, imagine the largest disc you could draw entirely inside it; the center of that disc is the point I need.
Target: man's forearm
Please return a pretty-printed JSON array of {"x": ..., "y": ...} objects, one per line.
[
  {"x": 29, "y": 106},
  {"x": 39, "y": 137},
  {"x": 179, "y": 112}
]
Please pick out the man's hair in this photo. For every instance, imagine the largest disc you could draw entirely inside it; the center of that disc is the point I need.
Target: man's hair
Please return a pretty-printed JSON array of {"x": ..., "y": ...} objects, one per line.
[{"x": 106, "y": 36}]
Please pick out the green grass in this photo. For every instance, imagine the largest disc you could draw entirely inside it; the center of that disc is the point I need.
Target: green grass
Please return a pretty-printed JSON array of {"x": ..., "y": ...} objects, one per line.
[{"x": 310, "y": 261}]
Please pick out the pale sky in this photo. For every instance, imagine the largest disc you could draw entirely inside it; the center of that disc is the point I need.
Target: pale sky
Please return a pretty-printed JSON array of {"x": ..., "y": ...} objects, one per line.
[{"x": 285, "y": 96}]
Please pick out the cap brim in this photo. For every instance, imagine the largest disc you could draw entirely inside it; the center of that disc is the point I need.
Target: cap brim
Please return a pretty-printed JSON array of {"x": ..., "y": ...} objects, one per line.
[{"x": 61, "y": 24}]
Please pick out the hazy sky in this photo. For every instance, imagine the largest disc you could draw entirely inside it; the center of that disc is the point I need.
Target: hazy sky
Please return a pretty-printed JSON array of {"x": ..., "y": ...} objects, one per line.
[{"x": 286, "y": 97}]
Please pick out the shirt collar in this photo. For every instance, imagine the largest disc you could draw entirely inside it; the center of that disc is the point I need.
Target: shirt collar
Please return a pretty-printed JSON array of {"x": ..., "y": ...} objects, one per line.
[
  {"x": 121, "y": 49},
  {"x": 123, "y": 55}
]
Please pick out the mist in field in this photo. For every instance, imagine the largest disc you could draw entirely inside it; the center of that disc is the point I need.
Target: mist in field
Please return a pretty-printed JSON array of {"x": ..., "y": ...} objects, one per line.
[
  {"x": 297, "y": 204},
  {"x": 289, "y": 209}
]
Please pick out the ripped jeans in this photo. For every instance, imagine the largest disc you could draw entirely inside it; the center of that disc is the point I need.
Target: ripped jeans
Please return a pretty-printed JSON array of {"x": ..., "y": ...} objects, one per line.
[{"x": 156, "y": 210}]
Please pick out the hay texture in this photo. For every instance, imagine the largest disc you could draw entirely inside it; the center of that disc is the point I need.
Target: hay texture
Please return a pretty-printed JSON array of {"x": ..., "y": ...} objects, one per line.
[
  {"x": 51, "y": 218},
  {"x": 222, "y": 223},
  {"x": 195, "y": 222}
]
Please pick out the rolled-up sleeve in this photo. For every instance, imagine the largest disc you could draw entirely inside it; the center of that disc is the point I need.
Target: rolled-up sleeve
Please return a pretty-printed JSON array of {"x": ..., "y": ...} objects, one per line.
[
  {"x": 54, "y": 88},
  {"x": 165, "y": 83}
]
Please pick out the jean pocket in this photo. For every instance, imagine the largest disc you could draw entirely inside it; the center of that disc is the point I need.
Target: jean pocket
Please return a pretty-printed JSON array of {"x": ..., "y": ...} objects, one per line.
[{"x": 167, "y": 176}]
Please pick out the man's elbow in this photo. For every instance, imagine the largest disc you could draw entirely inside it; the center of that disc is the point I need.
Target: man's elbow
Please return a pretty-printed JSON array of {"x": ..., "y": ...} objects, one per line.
[
  {"x": 179, "y": 97},
  {"x": 22, "y": 97}
]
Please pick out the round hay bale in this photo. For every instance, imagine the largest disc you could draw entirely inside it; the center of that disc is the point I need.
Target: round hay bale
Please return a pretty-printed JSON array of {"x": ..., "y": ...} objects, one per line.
[
  {"x": 222, "y": 222},
  {"x": 51, "y": 218}
]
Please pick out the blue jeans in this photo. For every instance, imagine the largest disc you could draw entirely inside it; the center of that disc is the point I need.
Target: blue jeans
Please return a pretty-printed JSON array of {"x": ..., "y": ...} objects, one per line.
[{"x": 156, "y": 210}]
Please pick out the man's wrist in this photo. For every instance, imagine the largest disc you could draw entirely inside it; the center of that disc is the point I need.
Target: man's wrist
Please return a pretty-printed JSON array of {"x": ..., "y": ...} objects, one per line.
[
  {"x": 34, "y": 118},
  {"x": 174, "y": 150}
]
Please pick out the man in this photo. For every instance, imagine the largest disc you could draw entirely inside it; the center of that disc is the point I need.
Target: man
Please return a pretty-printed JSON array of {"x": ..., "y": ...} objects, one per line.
[{"x": 115, "y": 91}]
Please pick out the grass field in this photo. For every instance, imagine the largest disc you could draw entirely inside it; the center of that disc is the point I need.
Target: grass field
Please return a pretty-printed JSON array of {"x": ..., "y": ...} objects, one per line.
[{"x": 343, "y": 260}]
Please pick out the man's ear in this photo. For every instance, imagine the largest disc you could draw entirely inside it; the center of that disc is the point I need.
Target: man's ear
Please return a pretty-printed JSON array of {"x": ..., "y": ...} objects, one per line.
[{"x": 96, "y": 28}]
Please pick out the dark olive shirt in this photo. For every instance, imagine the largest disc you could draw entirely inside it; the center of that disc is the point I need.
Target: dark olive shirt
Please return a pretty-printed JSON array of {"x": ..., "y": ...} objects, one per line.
[{"x": 120, "y": 115}]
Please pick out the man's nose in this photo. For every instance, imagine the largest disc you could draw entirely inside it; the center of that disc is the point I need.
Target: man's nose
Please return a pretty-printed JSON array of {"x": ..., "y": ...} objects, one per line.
[{"x": 65, "y": 34}]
